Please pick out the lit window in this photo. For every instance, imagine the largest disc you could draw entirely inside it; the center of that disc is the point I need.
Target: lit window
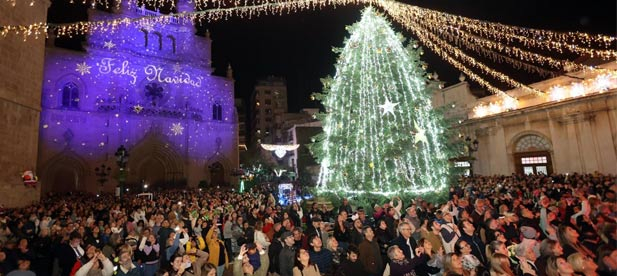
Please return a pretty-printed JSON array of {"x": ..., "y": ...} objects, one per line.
[{"x": 534, "y": 160}]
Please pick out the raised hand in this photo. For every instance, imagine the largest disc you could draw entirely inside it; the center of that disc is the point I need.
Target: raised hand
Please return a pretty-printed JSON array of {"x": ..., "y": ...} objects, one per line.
[
  {"x": 419, "y": 251},
  {"x": 243, "y": 250}
]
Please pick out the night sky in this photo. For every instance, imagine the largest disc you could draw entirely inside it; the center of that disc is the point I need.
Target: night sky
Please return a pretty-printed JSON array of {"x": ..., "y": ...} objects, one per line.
[{"x": 298, "y": 46}]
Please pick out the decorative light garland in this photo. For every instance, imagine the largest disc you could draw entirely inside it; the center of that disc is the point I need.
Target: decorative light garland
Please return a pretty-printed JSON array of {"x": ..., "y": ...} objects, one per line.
[
  {"x": 598, "y": 84},
  {"x": 544, "y": 39},
  {"x": 407, "y": 15},
  {"x": 248, "y": 11},
  {"x": 454, "y": 34},
  {"x": 438, "y": 45}
]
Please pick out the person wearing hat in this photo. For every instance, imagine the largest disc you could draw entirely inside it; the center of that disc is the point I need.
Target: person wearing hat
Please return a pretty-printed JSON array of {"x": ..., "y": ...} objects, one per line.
[
  {"x": 529, "y": 238},
  {"x": 286, "y": 257}
]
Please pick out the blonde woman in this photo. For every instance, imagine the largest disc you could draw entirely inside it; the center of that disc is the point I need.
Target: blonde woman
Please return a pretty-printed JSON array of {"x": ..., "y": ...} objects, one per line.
[
  {"x": 453, "y": 265},
  {"x": 583, "y": 265},
  {"x": 500, "y": 265},
  {"x": 558, "y": 266},
  {"x": 495, "y": 247}
]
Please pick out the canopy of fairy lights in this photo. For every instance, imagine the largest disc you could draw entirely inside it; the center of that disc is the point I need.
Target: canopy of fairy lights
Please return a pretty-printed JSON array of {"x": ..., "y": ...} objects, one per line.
[{"x": 458, "y": 40}]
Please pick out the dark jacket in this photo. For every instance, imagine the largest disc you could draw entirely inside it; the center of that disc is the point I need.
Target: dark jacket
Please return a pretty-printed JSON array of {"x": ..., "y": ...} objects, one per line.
[
  {"x": 402, "y": 244},
  {"x": 407, "y": 267},
  {"x": 273, "y": 253},
  {"x": 370, "y": 257},
  {"x": 348, "y": 268},
  {"x": 286, "y": 260},
  {"x": 477, "y": 247}
]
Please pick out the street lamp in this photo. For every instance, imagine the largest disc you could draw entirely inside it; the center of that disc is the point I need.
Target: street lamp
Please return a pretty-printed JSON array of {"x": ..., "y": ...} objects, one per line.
[
  {"x": 471, "y": 148},
  {"x": 122, "y": 158},
  {"x": 102, "y": 172}
]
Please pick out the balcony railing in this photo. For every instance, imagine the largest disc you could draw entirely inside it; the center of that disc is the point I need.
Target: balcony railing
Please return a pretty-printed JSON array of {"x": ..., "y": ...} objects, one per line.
[{"x": 146, "y": 12}]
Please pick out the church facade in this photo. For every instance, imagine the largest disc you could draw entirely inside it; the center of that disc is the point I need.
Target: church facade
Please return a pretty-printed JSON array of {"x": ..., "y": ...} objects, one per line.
[{"x": 148, "y": 88}]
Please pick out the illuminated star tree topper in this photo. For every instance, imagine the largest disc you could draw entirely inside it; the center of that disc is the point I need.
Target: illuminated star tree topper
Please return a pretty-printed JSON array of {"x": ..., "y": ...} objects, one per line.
[{"x": 381, "y": 135}]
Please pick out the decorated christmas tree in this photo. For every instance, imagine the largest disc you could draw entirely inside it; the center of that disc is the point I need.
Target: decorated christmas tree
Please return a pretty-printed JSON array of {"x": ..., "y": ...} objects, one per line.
[{"x": 380, "y": 133}]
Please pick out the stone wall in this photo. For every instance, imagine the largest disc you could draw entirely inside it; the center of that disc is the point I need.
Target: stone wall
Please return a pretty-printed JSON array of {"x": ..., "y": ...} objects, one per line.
[
  {"x": 21, "y": 72},
  {"x": 582, "y": 134}
]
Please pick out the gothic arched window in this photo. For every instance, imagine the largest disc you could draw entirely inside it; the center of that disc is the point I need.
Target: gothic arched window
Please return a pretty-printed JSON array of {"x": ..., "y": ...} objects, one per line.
[
  {"x": 217, "y": 112},
  {"x": 70, "y": 96},
  {"x": 145, "y": 37},
  {"x": 173, "y": 43}
]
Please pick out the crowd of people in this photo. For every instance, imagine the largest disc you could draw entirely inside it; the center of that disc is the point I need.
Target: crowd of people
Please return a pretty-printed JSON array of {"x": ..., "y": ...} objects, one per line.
[{"x": 497, "y": 225}]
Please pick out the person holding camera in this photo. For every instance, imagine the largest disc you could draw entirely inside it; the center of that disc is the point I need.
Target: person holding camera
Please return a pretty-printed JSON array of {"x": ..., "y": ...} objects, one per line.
[
  {"x": 150, "y": 252},
  {"x": 252, "y": 260},
  {"x": 97, "y": 264},
  {"x": 218, "y": 253}
]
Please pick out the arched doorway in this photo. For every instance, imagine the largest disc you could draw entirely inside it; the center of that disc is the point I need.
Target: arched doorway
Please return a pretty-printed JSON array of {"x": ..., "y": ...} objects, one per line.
[
  {"x": 532, "y": 155},
  {"x": 152, "y": 172},
  {"x": 65, "y": 172},
  {"x": 217, "y": 174},
  {"x": 64, "y": 180},
  {"x": 156, "y": 163}
]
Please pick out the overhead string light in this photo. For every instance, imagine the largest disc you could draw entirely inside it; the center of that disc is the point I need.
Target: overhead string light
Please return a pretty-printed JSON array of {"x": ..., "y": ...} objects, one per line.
[
  {"x": 476, "y": 43},
  {"x": 573, "y": 42},
  {"x": 398, "y": 11},
  {"x": 493, "y": 52},
  {"x": 428, "y": 25},
  {"x": 210, "y": 15}
]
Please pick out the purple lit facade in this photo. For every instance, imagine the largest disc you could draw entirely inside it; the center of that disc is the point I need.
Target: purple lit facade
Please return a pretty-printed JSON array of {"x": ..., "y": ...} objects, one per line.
[{"x": 148, "y": 88}]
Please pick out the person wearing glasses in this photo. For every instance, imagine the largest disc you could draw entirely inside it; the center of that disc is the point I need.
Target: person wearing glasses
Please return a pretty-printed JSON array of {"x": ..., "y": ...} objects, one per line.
[{"x": 404, "y": 241}]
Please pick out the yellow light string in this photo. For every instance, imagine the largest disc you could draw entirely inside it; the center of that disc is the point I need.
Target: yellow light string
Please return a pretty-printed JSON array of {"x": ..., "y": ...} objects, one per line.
[
  {"x": 397, "y": 11},
  {"x": 543, "y": 39},
  {"x": 405, "y": 16},
  {"x": 487, "y": 48},
  {"x": 267, "y": 8},
  {"x": 489, "y": 52},
  {"x": 552, "y": 40},
  {"x": 501, "y": 58},
  {"x": 455, "y": 34},
  {"x": 443, "y": 54}
]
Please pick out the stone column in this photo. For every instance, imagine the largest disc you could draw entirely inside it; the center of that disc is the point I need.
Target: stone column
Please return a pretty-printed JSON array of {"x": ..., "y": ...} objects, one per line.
[{"x": 21, "y": 74}]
